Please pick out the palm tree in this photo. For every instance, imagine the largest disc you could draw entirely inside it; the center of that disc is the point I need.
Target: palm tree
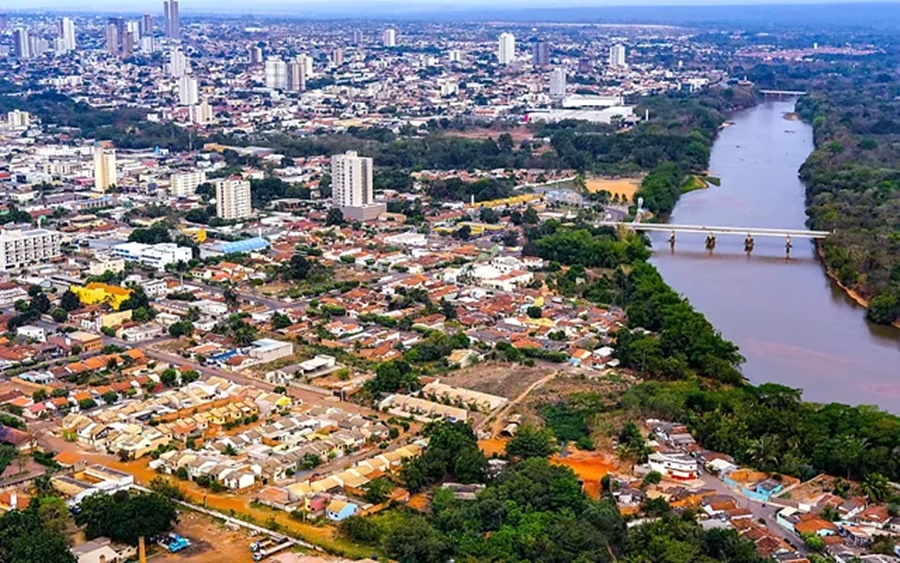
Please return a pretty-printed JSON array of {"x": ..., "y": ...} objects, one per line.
[
  {"x": 762, "y": 452},
  {"x": 876, "y": 487}
]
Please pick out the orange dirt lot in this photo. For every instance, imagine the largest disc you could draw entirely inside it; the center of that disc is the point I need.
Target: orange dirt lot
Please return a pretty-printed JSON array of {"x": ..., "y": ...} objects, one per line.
[
  {"x": 210, "y": 541},
  {"x": 589, "y": 467}
]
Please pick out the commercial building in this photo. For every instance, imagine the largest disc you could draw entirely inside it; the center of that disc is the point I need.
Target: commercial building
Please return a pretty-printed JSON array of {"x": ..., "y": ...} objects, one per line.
[
  {"x": 17, "y": 119},
  {"x": 617, "y": 56},
  {"x": 154, "y": 255},
  {"x": 96, "y": 292},
  {"x": 389, "y": 38},
  {"x": 296, "y": 75},
  {"x": 185, "y": 184},
  {"x": 21, "y": 44},
  {"x": 104, "y": 168},
  {"x": 202, "y": 113},
  {"x": 506, "y": 48},
  {"x": 24, "y": 248},
  {"x": 233, "y": 199},
  {"x": 188, "y": 91},
  {"x": 558, "y": 83},
  {"x": 352, "y": 188}
]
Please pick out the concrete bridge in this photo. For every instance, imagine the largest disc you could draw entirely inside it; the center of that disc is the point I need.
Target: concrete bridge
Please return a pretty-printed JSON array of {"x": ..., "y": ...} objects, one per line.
[
  {"x": 712, "y": 231},
  {"x": 780, "y": 93}
]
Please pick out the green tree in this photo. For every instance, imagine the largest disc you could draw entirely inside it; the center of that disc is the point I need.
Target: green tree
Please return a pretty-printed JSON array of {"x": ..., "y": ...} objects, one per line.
[
  {"x": 335, "y": 217},
  {"x": 876, "y": 487},
  {"x": 377, "y": 490},
  {"x": 69, "y": 301},
  {"x": 110, "y": 397},
  {"x": 59, "y": 315},
  {"x": 530, "y": 441}
]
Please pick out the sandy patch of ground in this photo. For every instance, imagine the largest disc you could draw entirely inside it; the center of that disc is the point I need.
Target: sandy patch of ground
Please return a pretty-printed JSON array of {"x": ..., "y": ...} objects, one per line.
[
  {"x": 518, "y": 134},
  {"x": 623, "y": 187},
  {"x": 496, "y": 378},
  {"x": 493, "y": 446},
  {"x": 210, "y": 541},
  {"x": 590, "y": 467}
]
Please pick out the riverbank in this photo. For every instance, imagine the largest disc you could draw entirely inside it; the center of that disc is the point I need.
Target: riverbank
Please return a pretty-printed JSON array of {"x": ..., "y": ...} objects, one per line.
[{"x": 853, "y": 294}]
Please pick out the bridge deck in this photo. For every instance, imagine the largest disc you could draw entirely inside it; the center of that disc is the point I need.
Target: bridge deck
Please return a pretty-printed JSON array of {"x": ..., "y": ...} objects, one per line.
[{"x": 716, "y": 230}]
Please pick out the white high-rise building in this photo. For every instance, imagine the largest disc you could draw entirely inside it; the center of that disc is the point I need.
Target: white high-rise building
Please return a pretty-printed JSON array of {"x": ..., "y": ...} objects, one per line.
[
  {"x": 134, "y": 28},
  {"x": 558, "y": 83},
  {"x": 351, "y": 180},
  {"x": 104, "y": 168},
  {"x": 178, "y": 65},
  {"x": 188, "y": 91},
  {"x": 389, "y": 37},
  {"x": 617, "y": 55},
  {"x": 233, "y": 199},
  {"x": 506, "y": 48},
  {"x": 17, "y": 119},
  {"x": 184, "y": 184},
  {"x": 276, "y": 73},
  {"x": 173, "y": 19},
  {"x": 66, "y": 33},
  {"x": 454, "y": 55}
]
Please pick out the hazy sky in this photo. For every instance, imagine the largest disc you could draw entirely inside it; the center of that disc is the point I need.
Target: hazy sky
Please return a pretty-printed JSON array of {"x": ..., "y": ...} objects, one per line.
[{"x": 300, "y": 6}]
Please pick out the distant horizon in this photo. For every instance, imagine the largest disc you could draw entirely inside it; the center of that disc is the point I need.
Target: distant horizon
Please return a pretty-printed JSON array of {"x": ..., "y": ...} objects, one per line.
[{"x": 377, "y": 7}]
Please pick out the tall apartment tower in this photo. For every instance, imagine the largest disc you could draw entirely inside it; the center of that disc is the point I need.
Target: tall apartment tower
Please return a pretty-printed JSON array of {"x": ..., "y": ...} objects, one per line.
[
  {"x": 233, "y": 199},
  {"x": 617, "y": 56},
  {"x": 66, "y": 35},
  {"x": 389, "y": 37},
  {"x": 351, "y": 180},
  {"x": 104, "y": 168},
  {"x": 357, "y": 37},
  {"x": 146, "y": 25},
  {"x": 178, "y": 65},
  {"x": 558, "y": 83},
  {"x": 296, "y": 75},
  {"x": 540, "y": 53},
  {"x": 506, "y": 48},
  {"x": 22, "y": 44},
  {"x": 188, "y": 90},
  {"x": 173, "y": 19},
  {"x": 255, "y": 55},
  {"x": 276, "y": 73}
]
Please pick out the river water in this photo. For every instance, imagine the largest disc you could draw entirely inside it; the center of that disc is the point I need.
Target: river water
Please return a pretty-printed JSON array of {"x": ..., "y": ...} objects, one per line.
[{"x": 792, "y": 323}]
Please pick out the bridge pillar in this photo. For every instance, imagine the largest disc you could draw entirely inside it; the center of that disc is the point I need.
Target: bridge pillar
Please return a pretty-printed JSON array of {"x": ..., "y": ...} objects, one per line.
[
  {"x": 710, "y": 241},
  {"x": 787, "y": 246},
  {"x": 672, "y": 239},
  {"x": 748, "y": 244}
]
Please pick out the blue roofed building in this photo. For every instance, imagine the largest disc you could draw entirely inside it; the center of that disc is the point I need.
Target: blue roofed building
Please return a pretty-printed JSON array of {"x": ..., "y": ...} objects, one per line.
[{"x": 254, "y": 244}]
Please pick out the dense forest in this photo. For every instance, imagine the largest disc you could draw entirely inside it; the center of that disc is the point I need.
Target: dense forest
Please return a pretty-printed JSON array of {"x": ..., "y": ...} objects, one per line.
[{"x": 853, "y": 176}]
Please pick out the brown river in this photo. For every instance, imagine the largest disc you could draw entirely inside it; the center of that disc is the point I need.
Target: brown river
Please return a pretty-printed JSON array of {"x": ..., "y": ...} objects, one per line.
[{"x": 792, "y": 323}]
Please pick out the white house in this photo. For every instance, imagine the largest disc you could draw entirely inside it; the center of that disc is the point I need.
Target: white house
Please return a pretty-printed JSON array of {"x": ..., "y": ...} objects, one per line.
[{"x": 674, "y": 466}]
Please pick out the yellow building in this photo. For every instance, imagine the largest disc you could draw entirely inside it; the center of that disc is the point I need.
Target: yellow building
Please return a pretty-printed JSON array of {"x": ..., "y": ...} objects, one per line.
[{"x": 96, "y": 292}]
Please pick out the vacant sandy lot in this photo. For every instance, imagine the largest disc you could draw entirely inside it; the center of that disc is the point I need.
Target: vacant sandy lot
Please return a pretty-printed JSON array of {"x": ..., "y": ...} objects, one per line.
[
  {"x": 518, "y": 134},
  {"x": 623, "y": 187},
  {"x": 210, "y": 541},
  {"x": 590, "y": 467},
  {"x": 505, "y": 380}
]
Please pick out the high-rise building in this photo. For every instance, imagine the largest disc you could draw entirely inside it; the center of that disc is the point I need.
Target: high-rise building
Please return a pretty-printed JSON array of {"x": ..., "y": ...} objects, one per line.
[
  {"x": 22, "y": 44},
  {"x": 185, "y": 184},
  {"x": 233, "y": 199},
  {"x": 585, "y": 65},
  {"x": 66, "y": 34},
  {"x": 540, "y": 53},
  {"x": 17, "y": 119},
  {"x": 617, "y": 55},
  {"x": 188, "y": 90},
  {"x": 357, "y": 37},
  {"x": 389, "y": 37},
  {"x": 112, "y": 38},
  {"x": 558, "y": 83},
  {"x": 307, "y": 65},
  {"x": 506, "y": 48},
  {"x": 178, "y": 65},
  {"x": 4, "y": 22},
  {"x": 296, "y": 75},
  {"x": 202, "y": 113},
  {"x": 276, "y": 73},
  {"x": 338, "y": 57},
  {"x": 104, "y": 168},
  {"x": 146, "y": 25},
  {"x": 173, "y": 19},
  {"x": 351, "y": 180},
  {"x": 454, "y": 55},
  {"x": 255, "y": 54}
]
